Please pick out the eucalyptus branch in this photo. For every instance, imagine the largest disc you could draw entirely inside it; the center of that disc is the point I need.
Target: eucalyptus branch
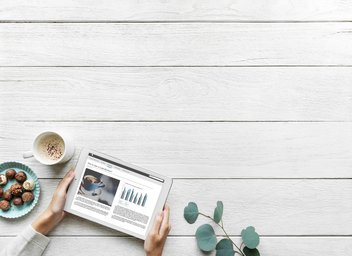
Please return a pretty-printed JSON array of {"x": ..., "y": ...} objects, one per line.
[
  {"x": 222, "y": 227},
  {"x": 206, "y": 236}
]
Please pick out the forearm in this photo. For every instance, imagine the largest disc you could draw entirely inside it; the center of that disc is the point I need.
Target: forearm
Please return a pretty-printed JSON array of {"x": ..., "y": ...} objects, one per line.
[{"x": 46, "y": 222}]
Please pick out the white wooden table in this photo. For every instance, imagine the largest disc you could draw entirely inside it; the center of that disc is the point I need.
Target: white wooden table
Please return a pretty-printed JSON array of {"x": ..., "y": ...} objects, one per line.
[{"x": 248, "y": 102}]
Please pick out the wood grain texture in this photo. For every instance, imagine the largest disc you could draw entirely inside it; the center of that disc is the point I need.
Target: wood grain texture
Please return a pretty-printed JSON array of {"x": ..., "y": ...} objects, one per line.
[
  {"x": 201, "y": 150},
  {"x": 160, "y": 44},
  {"x": 177, "y": 94},
  {"x": 298, "y": 207},
  {"x": 170, "y": 119},
  {"x": 176, "y": 10},
  {"x": 123, "y": 246}
]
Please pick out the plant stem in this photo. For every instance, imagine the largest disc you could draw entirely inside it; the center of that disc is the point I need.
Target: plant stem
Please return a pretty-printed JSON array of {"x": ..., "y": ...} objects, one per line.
[{"x": 222, "y": 227}]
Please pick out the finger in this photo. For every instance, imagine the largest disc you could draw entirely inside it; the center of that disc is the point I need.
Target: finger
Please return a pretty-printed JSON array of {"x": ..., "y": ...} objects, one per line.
[
  {"x": 157, "y": 224},
  {"x": 66, "y": 181},
  {"x": 166, "y": 214},
  {"x": 165, "y": 225}
]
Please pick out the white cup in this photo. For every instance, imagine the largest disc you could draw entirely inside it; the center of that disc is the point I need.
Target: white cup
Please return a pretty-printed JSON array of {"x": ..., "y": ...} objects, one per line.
[{"x": 51, "y": 148}]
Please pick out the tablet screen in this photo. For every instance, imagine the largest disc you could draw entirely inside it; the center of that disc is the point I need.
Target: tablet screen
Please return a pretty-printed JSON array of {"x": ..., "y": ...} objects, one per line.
[{"x": 117, "y": 194}]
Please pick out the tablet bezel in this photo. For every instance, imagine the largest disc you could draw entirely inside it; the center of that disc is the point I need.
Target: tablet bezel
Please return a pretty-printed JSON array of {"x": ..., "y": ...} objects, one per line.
[{"x": 165, "y": 189}]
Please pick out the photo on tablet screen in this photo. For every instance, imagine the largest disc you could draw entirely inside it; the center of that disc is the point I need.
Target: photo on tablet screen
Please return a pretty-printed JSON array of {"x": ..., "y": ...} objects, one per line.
[{"x": 98, "y": 187}]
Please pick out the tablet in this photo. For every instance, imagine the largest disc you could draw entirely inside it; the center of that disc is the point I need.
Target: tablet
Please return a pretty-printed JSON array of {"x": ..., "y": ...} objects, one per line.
[{"x": 116, "y": 194}]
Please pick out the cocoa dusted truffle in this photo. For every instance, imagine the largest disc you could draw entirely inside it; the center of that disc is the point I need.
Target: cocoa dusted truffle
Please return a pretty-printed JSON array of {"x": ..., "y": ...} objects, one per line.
[
  {"x": 27, "y": 197},
  {"x": 16, "y": 189},
  {"x": 21, "y": 177},
  {"x": 1, "y": 192},
  {"x": 17, "y": 201},
  {"x": 10, "y": 174},
  {"x": 3, "y": 179},
  {"x": 7, "y": 195},
  {"x": 4, "y": 205}
]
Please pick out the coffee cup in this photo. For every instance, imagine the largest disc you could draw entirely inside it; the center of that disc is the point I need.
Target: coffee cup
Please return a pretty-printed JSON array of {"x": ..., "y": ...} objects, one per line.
[
  {"x": 51, "y": 148},
  {"x": 91, "y": 182}
]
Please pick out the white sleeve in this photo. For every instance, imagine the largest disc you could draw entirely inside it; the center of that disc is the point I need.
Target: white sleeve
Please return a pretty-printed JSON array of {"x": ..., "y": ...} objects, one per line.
[{"x": 28, "y": 243}]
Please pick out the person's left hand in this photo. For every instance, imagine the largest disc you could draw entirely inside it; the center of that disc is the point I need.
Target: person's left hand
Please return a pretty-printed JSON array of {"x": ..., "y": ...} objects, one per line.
[{"x": 55, "y": 211}]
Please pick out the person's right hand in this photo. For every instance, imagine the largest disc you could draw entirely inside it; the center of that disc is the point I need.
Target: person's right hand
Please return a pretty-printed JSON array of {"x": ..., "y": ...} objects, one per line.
[{"x": 154, "y": 244}]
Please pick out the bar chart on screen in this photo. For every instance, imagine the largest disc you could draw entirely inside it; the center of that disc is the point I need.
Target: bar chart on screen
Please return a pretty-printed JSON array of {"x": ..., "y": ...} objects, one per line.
[{"x": 134, "y": 195}]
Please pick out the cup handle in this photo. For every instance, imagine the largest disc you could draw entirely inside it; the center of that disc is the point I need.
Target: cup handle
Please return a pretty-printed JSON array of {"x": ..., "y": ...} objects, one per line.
[{"x": 28, "y": 154}]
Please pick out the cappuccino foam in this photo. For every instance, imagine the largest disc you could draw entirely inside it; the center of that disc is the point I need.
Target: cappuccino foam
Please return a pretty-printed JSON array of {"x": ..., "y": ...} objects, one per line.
[{"x": 51, "y": 147}]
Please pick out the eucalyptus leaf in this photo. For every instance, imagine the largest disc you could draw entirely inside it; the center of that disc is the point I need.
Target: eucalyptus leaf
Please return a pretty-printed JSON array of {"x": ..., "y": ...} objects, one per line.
[
  {"x": 218, "y": 211},
  {"x": 224, "y": 248},
  {"x": 191, "y": 212},
  {"x": 251, "y": 252},
  {"x": 206, "y": 238},
  {"x": 250, "y": 237}
]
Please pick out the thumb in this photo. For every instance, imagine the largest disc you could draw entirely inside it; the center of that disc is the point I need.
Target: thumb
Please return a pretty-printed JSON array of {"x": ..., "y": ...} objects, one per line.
[{"x": 66, "y": 181}]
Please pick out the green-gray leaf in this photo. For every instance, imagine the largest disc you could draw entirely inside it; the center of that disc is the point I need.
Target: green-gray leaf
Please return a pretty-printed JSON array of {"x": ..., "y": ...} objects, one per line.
[
  {"x": 206, "y": 238},
  {"x": 224, "y": 248},
  {"x": 218, "y": 211},
  {"x": 251, "y": 252},
  {"x": 250, "y": 237},
  {"x": 191, "y": 212}
]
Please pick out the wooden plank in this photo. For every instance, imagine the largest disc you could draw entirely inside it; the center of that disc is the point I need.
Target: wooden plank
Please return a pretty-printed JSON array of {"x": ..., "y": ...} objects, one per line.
[
  {"x": 199, "y": 150},
  {"x": 298, "y": 207},
  {"x": 176, "y": 10},
  {"x": 169, "y": 44},
  {"x": 177, "y": 94},
  {"x": 273, "y": 246},
  {"x": 176, "y": 246}
]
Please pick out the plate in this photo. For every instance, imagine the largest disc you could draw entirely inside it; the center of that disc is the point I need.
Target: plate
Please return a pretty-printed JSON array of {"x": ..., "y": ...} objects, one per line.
[{"x": 19, "y": 211}]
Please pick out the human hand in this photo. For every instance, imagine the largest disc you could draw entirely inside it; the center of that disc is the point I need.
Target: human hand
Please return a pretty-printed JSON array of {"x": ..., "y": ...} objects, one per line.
[
  {"x": 55, "y": 211},
  {"x": 154, "y": 244}
]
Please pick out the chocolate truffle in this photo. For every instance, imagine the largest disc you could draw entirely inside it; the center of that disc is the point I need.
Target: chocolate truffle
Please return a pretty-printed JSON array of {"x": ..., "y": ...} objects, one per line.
[
  {"x": 1, "y": 192},
  {"x": 17, "y": 201},
  {"x": 5, "y": 205},
  {"x": 29, "y": 185},
  {"x": 16, "y": 189},
  {"x": 3, "y": 179},
  {"x": 7, "y": 195},
  {"x": 27, "y": 197},
  {"x": 21, "y": 177},
  {"x": 10, "y": 174}
]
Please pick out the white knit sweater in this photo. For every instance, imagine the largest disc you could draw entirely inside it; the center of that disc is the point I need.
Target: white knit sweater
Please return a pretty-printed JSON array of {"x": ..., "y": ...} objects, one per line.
[{"x": 28, "y": 243}]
